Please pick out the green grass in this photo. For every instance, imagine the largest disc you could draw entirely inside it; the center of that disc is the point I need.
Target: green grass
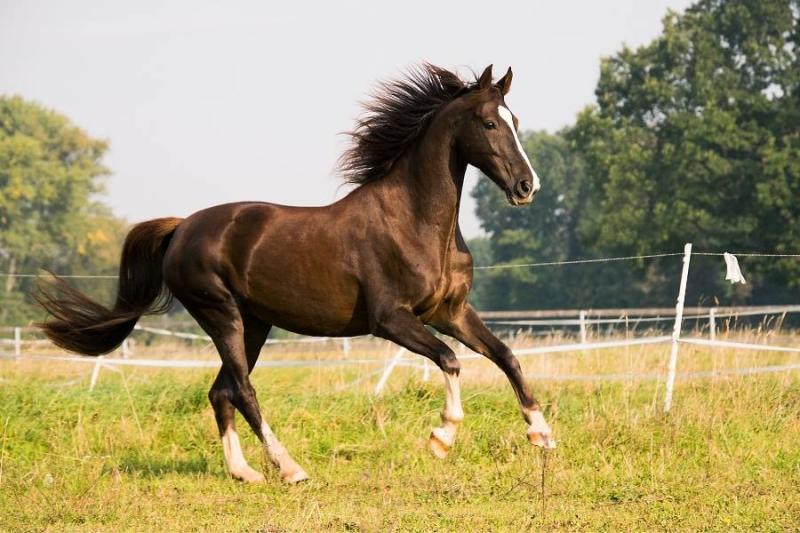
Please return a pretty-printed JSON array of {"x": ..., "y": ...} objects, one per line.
[{"x": 141, "y": 453}]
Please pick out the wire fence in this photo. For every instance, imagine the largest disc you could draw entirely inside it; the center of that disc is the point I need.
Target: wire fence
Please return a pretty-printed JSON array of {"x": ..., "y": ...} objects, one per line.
[{"x": 484, "y": 267}]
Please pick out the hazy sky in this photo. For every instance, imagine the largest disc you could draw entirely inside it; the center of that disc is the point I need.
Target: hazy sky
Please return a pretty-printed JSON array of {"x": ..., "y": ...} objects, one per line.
[{"x": 206, "y": 103}]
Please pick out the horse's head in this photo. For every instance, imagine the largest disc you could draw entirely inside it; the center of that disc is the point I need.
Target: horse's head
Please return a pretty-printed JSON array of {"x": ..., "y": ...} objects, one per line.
[{"x": 487, "y": 138}]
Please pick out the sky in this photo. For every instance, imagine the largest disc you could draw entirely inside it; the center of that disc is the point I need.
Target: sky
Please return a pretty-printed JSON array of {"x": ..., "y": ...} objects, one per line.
[{"x": 211, "y": 102}]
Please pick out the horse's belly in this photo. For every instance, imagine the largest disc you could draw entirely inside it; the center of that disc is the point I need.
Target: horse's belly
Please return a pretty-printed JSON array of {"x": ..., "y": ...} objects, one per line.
[
  {"x": 312, "y": 322},
  {"x": 310, "y": 308}
]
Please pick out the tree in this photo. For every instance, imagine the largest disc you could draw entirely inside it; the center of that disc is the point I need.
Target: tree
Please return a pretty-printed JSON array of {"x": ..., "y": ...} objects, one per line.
[
  {"x": 696, "y": 137},
  {"x": 50, "y": 174}
]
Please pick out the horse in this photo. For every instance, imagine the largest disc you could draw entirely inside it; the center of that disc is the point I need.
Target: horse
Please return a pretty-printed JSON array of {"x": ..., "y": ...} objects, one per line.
[{"x": 387, "y": 259}]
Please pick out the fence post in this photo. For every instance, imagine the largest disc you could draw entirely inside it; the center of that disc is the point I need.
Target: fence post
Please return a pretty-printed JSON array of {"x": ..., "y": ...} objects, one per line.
[
  {"x": 125, "y": 349},
  {"x": 388, "y": 371},
  {"x": 582, "y": 319},
  {"x": 780, "y": 322},
  {"x": 712, "y": 323},
  {"x": 345, "y": 347},
  {"x": 426, "y": 369},
  {"x": 96, "y": 372},
  {"x": 17, "y": 342},
  {"x": 676, "y": 330}
]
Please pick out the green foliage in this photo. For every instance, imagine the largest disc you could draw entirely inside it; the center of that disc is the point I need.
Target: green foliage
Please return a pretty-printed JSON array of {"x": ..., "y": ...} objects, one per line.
[
  {"x": 546, "y": 231},
  {"x": 50, "y": 174},
  {"x": 694, "y": 137}
]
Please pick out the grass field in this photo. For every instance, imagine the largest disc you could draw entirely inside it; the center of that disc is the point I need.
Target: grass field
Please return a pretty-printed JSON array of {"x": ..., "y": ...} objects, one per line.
[{"x": 141, "y": 452}]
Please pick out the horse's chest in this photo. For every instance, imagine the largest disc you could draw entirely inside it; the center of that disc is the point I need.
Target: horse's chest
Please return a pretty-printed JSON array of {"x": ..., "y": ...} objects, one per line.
[
  {"x": 430, "y": 296},
  {"x": 448, "y": 287},
  {"x": 432, "y": 280}
]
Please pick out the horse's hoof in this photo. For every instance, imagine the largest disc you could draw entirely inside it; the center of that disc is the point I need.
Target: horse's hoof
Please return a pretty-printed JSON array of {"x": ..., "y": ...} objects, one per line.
[
  {"x": 295, "y": 476},
  {"x": 248, "y": 476},
  {"x": 539, "y": 432},
  {"x": 438, "y": 443},
  {"x": 541, "y": 440}
]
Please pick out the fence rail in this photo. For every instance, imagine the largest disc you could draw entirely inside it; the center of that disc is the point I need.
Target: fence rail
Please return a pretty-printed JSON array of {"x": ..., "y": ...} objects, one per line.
[{"x": 617, "y": 312}]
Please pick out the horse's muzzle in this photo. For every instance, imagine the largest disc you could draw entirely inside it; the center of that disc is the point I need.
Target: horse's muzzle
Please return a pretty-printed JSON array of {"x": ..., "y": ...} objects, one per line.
[{"x": 522, "y": 193}]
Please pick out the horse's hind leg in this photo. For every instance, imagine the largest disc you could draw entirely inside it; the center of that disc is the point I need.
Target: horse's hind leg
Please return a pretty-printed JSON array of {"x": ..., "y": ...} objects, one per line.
[
  {"x": 225, "y": 413},
  {"x": 238, "y": 341},
  {"x": 255, "y": 333},
  {"x": 220, "y": 395}
]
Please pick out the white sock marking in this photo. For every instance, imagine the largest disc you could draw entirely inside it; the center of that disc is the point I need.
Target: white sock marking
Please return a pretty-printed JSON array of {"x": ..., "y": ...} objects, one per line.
[
  {"x": 452, "y": 403},
  {"x": 452, "y": 415},
  {"x": 290, "y": 470},
  {"x": 508, "y": 118},
  {"x": 234, "y": 458}
]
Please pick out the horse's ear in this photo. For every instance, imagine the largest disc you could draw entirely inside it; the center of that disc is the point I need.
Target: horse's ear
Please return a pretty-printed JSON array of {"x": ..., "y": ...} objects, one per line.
[
  {"x": 504, "y": 83},
  {"x": 485, "y": 81}
]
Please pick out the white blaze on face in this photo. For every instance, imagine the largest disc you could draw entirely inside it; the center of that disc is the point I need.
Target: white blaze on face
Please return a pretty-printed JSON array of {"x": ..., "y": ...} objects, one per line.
[{"x": 508, "y": 118}]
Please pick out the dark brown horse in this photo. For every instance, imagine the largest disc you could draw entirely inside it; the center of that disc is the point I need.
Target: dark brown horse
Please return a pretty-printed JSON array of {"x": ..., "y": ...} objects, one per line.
[{"x": 387, "y": 259}]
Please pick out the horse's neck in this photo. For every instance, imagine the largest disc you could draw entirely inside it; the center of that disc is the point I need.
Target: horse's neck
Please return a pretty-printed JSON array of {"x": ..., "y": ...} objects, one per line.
[
  {"x": 430, "y": 181},
  {"x": 419, "y": 197}
]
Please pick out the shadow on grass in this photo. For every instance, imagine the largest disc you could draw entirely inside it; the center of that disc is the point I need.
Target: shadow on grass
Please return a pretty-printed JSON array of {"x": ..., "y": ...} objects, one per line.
[{"x": 152, "y": 467}]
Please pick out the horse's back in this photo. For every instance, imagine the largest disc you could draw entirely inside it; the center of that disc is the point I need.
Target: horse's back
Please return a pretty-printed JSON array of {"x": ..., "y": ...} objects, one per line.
[{"x": 287, "y": 265}]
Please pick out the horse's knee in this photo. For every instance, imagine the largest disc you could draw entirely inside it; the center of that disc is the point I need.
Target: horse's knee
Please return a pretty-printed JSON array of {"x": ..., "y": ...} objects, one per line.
[
  {"x": 244, "y": 397},
  {"x": 449, "y": 364},
  {"x": 506, "y": 360},
  {"x": 218, "y": 397}
]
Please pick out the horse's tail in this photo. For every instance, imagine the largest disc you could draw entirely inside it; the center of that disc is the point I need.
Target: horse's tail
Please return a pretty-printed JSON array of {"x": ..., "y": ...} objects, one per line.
[{"x": 79, "y": 324}]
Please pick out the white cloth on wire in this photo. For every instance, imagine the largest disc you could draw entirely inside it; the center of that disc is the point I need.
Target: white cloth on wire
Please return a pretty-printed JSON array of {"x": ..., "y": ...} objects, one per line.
[{"x": 734, "y": 274}]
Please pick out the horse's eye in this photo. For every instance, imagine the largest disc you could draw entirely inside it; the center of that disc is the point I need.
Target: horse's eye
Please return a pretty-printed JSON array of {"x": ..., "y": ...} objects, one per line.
[{"x": 489, "y": 125}]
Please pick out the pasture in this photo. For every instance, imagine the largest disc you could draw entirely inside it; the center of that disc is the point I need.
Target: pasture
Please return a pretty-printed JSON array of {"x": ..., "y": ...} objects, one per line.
[{"x": 141, "y": 451}]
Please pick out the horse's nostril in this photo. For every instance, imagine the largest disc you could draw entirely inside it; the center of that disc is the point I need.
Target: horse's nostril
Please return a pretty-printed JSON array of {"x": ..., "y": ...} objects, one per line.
[{"x": 524, "y": 187}]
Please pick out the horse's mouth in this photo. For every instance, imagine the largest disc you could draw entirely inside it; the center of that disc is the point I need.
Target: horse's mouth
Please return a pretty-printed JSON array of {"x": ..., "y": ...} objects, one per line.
[{"x": 517, "y": 201}]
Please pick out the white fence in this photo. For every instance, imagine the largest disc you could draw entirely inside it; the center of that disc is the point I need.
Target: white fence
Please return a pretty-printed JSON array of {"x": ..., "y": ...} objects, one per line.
[
  {"x": 582, "y": 319},
  {"x": 632, "y": 318}
]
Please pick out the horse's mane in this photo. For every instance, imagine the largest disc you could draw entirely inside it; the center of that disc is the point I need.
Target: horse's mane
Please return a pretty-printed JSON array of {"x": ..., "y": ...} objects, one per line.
[{"x": 395, "y": 117}]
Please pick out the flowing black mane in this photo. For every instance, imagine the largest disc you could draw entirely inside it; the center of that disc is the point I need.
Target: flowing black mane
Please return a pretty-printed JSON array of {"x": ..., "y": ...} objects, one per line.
[{"x": 396, "y": 116}]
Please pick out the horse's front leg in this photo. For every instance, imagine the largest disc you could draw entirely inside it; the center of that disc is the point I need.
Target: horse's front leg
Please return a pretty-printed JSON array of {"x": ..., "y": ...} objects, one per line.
[
  {"x": 443, "y": 437},
  {"x": 402, "y": 327},
  {"x": 465, "y": 326}
]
